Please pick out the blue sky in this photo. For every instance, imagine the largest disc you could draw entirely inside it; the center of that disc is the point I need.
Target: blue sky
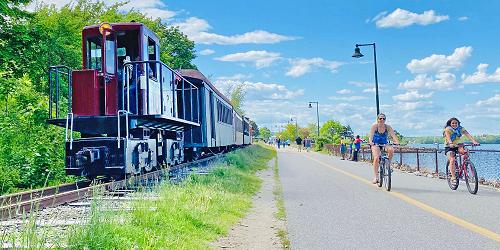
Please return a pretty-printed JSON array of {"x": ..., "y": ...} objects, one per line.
[{"x": 436, "y": 59}]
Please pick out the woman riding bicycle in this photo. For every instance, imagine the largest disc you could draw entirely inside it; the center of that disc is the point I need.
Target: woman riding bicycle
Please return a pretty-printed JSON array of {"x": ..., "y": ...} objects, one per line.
[
  {"x": 379, "y": 135},
  {"x": 452, "y": 133}
]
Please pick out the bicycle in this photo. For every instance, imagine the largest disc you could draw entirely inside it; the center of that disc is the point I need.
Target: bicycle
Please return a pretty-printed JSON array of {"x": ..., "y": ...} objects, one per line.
[
  {"x": 466, "y": 170},
  {"x": 384, "y": 168}
]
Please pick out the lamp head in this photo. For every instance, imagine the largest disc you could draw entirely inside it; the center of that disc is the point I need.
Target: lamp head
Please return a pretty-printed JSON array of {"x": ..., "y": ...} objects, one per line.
[
  {"x": 357, "y": 53},
  {"x": 310, "y": 105}
]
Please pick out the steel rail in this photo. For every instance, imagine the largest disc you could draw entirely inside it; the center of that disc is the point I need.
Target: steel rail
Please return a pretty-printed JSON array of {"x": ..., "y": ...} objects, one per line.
[{"x": 19, "y": 204}]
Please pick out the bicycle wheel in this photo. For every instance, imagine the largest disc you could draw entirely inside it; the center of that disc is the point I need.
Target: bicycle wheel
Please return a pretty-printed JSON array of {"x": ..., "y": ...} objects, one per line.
[
  {"x": 452, "y": 185},
  {"x": 471, "y": 177},
  {"x": 380, "y": 172},
  {"x": 387, "y": 175}
]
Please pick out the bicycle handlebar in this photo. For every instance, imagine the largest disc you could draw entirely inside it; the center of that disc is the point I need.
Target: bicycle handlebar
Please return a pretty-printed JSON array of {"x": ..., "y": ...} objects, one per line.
[
  {"x": 463, "y": 145},
  {"x": 382, "y": 145}
]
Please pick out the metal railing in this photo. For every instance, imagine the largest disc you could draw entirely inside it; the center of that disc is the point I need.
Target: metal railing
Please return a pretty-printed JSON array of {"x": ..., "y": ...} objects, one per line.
[
  {"x": 58, "y": 75},
  {"x": 433, "y": 159},
  {"x": 159, "y": 72}
]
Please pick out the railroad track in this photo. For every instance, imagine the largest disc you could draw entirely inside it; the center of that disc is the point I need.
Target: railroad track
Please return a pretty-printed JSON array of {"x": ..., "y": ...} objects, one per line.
[{"x": 18, "y": 204}]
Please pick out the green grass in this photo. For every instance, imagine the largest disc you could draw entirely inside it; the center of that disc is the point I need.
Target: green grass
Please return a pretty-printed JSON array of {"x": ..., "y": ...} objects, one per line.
[
  {"x": 186, "y": 216},
  {"x": 280, "y": 202}
]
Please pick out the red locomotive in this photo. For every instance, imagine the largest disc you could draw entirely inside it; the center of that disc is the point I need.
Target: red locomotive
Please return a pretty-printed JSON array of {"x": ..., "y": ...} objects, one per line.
[{"x": 133, "y": 112}]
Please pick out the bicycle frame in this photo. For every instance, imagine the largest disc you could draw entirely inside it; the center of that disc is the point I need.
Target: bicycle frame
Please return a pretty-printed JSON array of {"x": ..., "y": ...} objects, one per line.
[
  {"x": 464, "y": 169},
  {"x": 461, "y": 159}
]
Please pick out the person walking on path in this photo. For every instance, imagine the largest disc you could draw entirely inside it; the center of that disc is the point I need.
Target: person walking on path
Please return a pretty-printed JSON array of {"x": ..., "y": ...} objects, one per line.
[
  {"x": 343, "y": 148},
  {"x": 351, "y": 144},
  {"x": 298, "y": 140},
  {"x": 307, "y": 143},
  {"x": 278, "y": 141},
  {"x": 357, "y": 147}
]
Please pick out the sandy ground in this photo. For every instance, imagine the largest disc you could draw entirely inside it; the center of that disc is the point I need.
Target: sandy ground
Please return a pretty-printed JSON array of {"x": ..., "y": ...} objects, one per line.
[{"x": 259, "y": 229}]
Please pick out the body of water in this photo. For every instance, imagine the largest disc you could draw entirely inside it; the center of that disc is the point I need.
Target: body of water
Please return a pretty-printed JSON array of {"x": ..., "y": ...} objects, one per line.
[{"x": 487, "y": 163}]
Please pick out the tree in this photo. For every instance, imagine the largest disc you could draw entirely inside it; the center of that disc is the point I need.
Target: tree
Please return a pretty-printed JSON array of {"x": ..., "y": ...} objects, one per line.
[
  {"x": 265, "y": 133},
  {"x": 255, "y": 128},
  {"x": 304, "y": 132},
  {"x": 236, "y": 94}
]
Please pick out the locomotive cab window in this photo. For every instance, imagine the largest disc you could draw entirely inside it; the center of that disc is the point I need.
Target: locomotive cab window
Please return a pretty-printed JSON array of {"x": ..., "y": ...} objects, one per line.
[
  {"x": 152, "y": 56},
  {"x": 94, "y": 53},
  {"x": 110, "y": 55}
]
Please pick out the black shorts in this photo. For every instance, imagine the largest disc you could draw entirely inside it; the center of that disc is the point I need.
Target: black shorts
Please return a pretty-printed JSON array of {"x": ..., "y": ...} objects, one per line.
[{"x": 448, "y": 149}]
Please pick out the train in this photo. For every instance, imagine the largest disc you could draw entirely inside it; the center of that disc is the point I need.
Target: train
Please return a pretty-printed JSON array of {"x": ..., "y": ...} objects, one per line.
[{"x": 135, "y": 114}]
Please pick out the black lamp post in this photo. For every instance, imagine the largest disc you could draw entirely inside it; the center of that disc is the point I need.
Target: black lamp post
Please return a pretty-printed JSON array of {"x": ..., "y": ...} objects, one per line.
[
  {"x": 357, "y": 54},
  {"x": 296, "y": 126},
  {"x": 317, "y": 112}
]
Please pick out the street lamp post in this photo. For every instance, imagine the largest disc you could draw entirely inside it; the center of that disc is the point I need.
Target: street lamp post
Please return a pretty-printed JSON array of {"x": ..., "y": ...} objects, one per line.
[
  {"x": 357, "y": 54},
  {"x": 317, "y": 112},
  {"x": 296, "y": 126}
]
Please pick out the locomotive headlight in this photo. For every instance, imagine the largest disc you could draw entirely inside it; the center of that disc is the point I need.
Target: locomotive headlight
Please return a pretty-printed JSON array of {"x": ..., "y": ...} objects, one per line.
[{"x": 105, "y": 29}]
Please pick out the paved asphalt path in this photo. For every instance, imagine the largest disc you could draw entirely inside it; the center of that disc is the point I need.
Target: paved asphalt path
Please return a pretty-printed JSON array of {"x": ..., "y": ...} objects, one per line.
[{"x": 331, "y": 204}]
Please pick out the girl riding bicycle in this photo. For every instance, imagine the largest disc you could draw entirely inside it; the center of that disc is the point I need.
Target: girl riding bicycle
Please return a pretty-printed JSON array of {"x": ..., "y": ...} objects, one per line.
[
  {"x": 379, "y": 135},
  {"x": 452, "y": 134}
]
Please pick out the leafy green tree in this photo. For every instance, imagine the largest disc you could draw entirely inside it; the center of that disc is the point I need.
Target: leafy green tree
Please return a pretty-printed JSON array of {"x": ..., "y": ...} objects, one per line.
[
  {"x": 265, "y": 133},
  {"x": 255, "y": 128},
  {"x": 236, "y": 94},
  {"x": 304, "y": 132}
]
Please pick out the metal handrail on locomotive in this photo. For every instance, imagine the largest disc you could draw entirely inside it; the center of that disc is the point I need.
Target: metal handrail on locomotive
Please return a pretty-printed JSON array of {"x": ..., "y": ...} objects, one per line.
[{"x": 133, "y": 112}]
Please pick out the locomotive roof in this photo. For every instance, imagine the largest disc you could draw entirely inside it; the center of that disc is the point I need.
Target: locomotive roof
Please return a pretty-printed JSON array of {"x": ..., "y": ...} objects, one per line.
[
  {"x": 193, "y": 73},
  {"x": 126, "y": 26}
]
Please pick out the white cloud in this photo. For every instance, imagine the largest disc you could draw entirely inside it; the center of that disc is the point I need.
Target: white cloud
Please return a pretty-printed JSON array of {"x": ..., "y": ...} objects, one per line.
[
  {"x": 440, "y": 63},
  {"x": 400, "y": 18},
  {"x": 261, "y": 91},
  {"x": 412, "y": 96},
  {"x": 207, "y": 52},
  {"x": 408, "y": 106},
  {"x": 302, "y": 66},
  {"x": 347, "y": 98},
  {"x": 344, "y": 91},
  {"x": 196, "y": 29},
  {"x": 372, "y": 90},
  {"x": 151, "y": 8},
  {"x": 441, "y": 81},
  {"x": 463, "y": 18},
  {"x": 480, "y": 76},
  {"x": 261, "y": 58},
  {"x": 236, "y": 77},
  {"x": 493, "y": 101}
]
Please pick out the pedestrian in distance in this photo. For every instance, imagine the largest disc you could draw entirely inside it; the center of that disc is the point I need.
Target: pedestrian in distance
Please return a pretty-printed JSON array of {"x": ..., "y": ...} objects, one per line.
[
  {"x": 298, "y": 140},
  {"x": 343, "y": 148},
  {"x": 308, "y": 144},
  {"x": 278, "y": 142},
  {"x": 357, "y": 147},
  {"x": 351, "y": 145}
]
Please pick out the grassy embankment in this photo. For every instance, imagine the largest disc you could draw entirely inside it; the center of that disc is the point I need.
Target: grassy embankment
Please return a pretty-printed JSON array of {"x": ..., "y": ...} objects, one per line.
[
  {"x": 185, "y": 216},
  {"x": 281, "y": 215}
]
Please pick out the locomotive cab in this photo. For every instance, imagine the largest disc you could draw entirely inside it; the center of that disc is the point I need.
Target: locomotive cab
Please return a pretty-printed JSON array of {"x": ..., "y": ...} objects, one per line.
[{"x": 104, "y": 85}]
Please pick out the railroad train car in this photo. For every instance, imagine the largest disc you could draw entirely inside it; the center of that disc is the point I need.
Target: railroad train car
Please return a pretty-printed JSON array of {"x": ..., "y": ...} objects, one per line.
[
  {"x": 133, "y": 112},
  {"x": 222, "y": 127}
]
